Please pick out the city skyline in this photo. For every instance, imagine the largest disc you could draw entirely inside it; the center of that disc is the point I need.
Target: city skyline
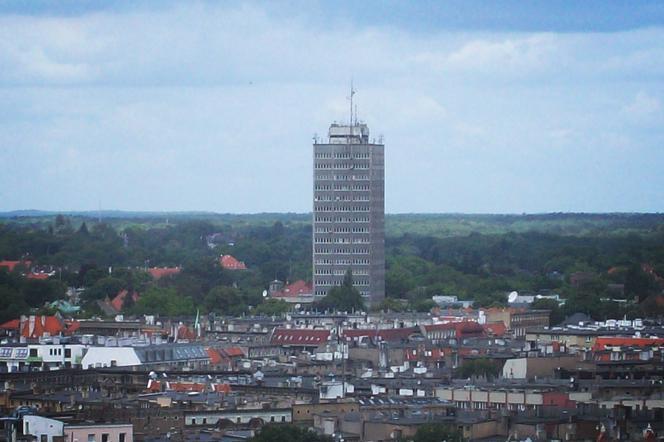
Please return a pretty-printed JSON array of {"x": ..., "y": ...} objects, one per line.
[{"x": 493, "y": 109}]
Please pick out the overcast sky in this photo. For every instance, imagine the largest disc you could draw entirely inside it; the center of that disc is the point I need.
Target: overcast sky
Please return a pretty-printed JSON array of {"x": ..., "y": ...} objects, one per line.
[{"x": 502, "y": 107}]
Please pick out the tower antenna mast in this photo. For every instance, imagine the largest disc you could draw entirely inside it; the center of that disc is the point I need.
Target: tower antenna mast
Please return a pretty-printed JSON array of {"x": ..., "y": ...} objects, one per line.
[{"x": 352, "y": 92}]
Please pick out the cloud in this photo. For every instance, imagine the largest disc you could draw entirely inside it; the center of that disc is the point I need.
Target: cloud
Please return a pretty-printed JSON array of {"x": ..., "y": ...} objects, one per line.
[
  {"x": 212, "y": 106},
  {"x": 643, "y": 106}
]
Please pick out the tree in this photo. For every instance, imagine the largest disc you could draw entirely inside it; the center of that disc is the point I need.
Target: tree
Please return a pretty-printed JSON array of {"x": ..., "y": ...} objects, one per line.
[
  {"x": 272, "y": 307},
  {"x": 104, "y": 288},
  {"x": 478, "y": 367},
  {"x": 556, "y": 316},
  {"x": 225, "y": 300},
  {"x": 36, "y": 292},
  {"x": 437, "y": 433},
  {"x": 288, "y": 433},
  {"x": 344, "y": 297},
  {"x": 13, "y": 305},
  {"x": 391, "y": 304},
  {"x": 165, "y": 302}
]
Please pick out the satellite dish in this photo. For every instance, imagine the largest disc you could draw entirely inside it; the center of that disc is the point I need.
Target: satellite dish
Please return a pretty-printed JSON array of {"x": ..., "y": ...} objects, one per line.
[
  {"x": 264, "y": 293},
  {"x": 512, "y": 297}
]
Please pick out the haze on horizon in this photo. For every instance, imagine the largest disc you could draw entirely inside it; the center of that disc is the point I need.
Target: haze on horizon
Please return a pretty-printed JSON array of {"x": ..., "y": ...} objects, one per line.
[{"x": 506, "y": 107}]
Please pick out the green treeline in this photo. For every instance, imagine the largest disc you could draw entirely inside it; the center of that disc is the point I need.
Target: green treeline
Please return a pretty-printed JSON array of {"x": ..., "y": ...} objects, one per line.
[{"x": 474, "y": 257}]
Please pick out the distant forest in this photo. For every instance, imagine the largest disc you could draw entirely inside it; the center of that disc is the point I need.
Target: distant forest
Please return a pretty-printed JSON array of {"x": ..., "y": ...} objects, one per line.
[{"x": 475, "y": 257}]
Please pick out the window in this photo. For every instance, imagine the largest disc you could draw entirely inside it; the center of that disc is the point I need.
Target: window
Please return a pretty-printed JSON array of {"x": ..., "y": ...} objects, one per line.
[
  {"x": 104, "y": 437},
  {"x": 122, "y": 437},
  {"x": 91, "y": 438},
  {"x": 33, "y": 352},
  {"x": 283, "y": 418},
  {"x": 193, "y": 421},
  {"x": 67, "y": 352}
]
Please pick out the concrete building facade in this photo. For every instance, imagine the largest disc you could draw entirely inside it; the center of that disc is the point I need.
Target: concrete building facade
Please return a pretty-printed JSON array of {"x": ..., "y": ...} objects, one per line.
[{"x": 349, "y": 212}]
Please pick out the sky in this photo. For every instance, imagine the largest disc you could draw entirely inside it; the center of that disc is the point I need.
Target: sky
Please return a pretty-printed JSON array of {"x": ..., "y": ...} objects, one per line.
[{"x": 484, "y": 107}]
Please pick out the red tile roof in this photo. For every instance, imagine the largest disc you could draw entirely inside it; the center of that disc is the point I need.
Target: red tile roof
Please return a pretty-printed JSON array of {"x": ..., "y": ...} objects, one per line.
[
  {"x": 118, "y": 302},
  {"x": 387, "y": 334},
  {"x": 230, "y": 263},
  {"x": 222, "y": 388},
  {"x": 186, "y": 386},
  {"x": 231, "y": 352},
  {"x": 14, "y": 324},
  {"x": 72, "y": 326},
  {"x": 37, "y": 326},
  {"x": 215, "y": 357},
  {"x": 602, "y": 342},
  {"x": 286, "y": 336},
  {"x": 10, "y": 265},
  {"x": 461, "y": 328},
  {"x": 32, "y": 275},
  {"x": 160, "y": 272},
  {"x": 495, "y": 329},
  {"x": 298, "y": 288},
  {"x": 186, "y": 333},
  {"x": 154, "y": 386}
]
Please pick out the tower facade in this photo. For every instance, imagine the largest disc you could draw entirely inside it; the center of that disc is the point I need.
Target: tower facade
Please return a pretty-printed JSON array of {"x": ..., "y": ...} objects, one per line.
[{"x": 349, "y": 212}]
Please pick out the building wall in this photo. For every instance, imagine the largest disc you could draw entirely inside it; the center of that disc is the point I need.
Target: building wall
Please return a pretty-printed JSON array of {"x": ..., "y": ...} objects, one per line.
[
  {"x": 349, "y": 213},
  {"x": 238, "y": 416},
  {"x": 96, "y": 433},
  {"x": 305, "y": 412},
  {"x": 41, "y": 426},
  {"x": 109, "y": 357}
]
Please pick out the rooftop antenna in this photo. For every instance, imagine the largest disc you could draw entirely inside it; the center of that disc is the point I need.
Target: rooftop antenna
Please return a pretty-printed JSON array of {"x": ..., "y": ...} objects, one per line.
[{"x": 352, "y": 92}]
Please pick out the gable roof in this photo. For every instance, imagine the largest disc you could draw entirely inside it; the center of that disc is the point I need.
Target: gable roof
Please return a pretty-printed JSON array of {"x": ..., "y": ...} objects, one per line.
[
  {"x": 37, "y": 326},
  {"x": 161, "y": 272},
  {"x": 298, "y": 288},
  {"x": 118, "y": 302},
  {"x": 230, "y": 263}
]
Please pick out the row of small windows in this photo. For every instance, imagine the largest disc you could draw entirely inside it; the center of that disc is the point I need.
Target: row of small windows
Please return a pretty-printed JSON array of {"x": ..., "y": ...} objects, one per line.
[
  {"x": 343, "y": 155},
  {"x": 342, "y": 209},
  {"x": 342, "y": 187},
  {"x": 341, "y": 272},
  {"x": 238, "y": 420},
  {"x": 342, "y": 230},
  {"x": 341, "y": 198},
  {"x": 332, "y": 282},
  {"x": 324, "y": 292},
  {"x": 346, "y": 261},
  {"x": 356, "y": 177},
  {"x": 343, "y": 250},
  {"x": 341, "y": 219},
  {"x": 342, "y": 166},
  {"x": 342, "y": 241}
]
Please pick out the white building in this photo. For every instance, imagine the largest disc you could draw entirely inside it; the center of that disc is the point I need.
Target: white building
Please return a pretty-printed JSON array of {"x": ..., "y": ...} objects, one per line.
[{"x": 43, "y": 428}]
